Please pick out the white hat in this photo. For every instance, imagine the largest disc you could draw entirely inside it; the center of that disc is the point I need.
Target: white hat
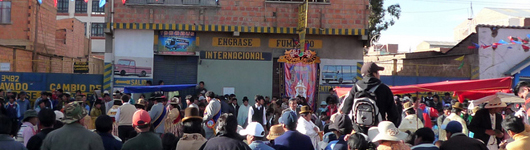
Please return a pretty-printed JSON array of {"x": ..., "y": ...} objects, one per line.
[
  {"x": 201, "y": 98},
  {"x": 58, "y": 115},
  {"x": 495, "y": 103},
  {"x": 254, "y": 129},
  {"x": 387, "y": 131}
]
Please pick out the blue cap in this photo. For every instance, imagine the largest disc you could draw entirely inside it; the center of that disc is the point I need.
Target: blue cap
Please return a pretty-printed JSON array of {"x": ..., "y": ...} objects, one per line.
[
  {"x": 453, "y": 127},
  {"x": 288, "y": 118}
]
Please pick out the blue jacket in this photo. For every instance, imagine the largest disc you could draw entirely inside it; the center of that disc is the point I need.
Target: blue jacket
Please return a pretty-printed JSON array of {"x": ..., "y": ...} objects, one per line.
[
  {"x": 109, "y": 142},
  {"x": 293, "y": 140},
  {"x": 7, "y": 142}
]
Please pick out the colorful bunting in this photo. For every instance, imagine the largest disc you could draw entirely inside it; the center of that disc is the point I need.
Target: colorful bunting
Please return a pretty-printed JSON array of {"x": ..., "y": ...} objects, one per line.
[
  {"x": 503, "y": 42},
  {"x": 123, "y": 1},
  {"x": 525, "y": 48},
  {"x": 461, "y": 65},
  {"x": 102, "y": 3},
  {"x": 460, "y": 58}
]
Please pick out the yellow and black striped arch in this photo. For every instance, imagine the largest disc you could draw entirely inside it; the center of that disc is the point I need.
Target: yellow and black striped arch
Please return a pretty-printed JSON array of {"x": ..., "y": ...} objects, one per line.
[{"x": 226, "y": 28}]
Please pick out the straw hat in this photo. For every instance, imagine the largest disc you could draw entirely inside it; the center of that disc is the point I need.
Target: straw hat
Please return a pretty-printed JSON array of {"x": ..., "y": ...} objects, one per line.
[
  {"x": 141, "y": 101},
  {"x": 407, "y": 106},
  {"x": 305, "y": 109},
  {"x": 387, "y": 131},
  {"x": 174, "y": 101},
  {"x": 275, "y": 131},
  {"x": 495, "y": 103},
  {"x": 192, "y": 113}
]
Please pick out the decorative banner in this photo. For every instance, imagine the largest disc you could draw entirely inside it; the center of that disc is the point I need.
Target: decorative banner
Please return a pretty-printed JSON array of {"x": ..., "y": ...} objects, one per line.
[
  {"x": 296, "y": 56},
  {"x": 301, "y": 80},
  {"x": 176, "y": 41}
]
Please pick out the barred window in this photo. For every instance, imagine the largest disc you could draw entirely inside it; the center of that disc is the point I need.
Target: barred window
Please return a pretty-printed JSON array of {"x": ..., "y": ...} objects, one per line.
[
  {"x": 62, "y": 6},
  {"x": 96, "y": 8},
  {"x": 98, "y": 29},
  {"x": 5, "y": 12},
  {"x": 80, "y": 6}
]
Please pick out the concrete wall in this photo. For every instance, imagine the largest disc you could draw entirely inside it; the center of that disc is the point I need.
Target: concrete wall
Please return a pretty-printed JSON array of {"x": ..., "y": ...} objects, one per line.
[
  {"x": 493, "y": 63},
  {"x": 337, "y": 14},
  {"x": 249, "y": 78},
  {"x": 485, "y": 16}
]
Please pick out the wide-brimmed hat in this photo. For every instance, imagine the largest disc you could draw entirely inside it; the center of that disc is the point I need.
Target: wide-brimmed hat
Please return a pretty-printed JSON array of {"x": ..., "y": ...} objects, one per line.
[
  {"x": 142, "y": 102},
  {"x": 407, "y": 106},
  {"x": 174, "y": 101},
  {"x": 191, "y": 113},
  {"x": 73, "y": 111},
  {"x": 387, "y": 131},
  {"x": 275, "y": 131},
  {"x": 458, "y": 105},
  {"x": 495, "y": 103},
  {"x": 305, "y": 109},
  {"x": 29, "y": 114}
]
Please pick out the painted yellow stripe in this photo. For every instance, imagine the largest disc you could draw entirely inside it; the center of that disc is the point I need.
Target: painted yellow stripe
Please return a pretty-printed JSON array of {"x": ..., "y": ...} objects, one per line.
[
  {"x": 106, "y": 86},
  {"x": 358, "y": 78},
  {"x": 106, "y": 79},
  {"x": 108, "y": 65},
  {"x": 359, "y": 65},
  {"x": 179, "y": 27},
  {"x": 193, "y": 28},
  {"x": 475, "y": 69},
  {"x": 107, "y": 72}
]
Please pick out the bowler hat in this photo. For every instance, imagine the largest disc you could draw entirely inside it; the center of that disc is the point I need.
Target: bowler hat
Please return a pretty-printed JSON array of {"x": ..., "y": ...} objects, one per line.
[
  {"x": 458, "y": 105},
  {"x": 305, "y": 109},
  {"x": 191, "y": 113}
]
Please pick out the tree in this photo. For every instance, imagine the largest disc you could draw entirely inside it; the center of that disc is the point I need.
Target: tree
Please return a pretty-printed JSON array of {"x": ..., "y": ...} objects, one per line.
[{"x": 378, "y": 21}]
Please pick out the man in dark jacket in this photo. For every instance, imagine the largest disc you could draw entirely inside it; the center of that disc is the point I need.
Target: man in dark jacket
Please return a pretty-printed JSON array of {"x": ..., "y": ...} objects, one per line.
[
  {"x": 384, "y": 97},
  {"x": 424, "y": 137},
  {"x": 458, "y": 140},
  {"x": 482, "y": 124},
  {"x": 291, "y": 139},
  {"x": 104, "y": 128},
  {"x": 227, "y": 136},
  {"x": 47, "y": 119}
]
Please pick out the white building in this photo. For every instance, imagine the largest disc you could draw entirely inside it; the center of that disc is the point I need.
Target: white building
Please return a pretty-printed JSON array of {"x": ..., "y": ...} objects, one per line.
[{"x": 92, "y": 15}]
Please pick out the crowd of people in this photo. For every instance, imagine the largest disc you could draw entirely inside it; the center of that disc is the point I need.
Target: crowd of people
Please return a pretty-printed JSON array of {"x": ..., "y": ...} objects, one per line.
[{"x": 368, "y": 117}]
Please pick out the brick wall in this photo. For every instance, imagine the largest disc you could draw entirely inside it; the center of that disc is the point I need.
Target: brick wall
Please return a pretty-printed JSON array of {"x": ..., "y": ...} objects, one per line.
[{"x": 337, "y": 14}]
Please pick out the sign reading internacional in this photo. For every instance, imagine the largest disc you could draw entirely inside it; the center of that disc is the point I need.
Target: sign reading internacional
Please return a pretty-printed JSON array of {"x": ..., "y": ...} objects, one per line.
[
  {"x": 259, "y": 56},
  {"x": 80, "y": 67},
  {"x": 289, "y": 43},
  {"x": 235, "y": 42}
]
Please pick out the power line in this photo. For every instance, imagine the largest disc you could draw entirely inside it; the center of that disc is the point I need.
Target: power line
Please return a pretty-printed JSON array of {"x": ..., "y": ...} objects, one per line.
[{"x": 435, "y": 11}]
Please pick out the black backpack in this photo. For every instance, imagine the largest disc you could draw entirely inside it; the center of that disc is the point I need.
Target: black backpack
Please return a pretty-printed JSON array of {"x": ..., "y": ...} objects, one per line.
[{"x": 365, "y": 111}]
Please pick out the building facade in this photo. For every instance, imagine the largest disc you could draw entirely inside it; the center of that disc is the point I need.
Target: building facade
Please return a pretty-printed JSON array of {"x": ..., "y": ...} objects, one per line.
[
  {"x": 493, "y": 16},
  {"x": 33, "y": 40},
  {"x": 232, "y": 45},
  {"x": 92, "y": 16}
]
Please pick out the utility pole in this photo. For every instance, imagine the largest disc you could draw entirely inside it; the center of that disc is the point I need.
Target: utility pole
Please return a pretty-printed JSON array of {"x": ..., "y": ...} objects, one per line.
[{"x": 34, "y": 57}]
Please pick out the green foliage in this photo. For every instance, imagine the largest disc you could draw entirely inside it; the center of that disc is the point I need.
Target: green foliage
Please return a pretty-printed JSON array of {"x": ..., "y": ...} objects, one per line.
[{"x": 380, "y": 18}]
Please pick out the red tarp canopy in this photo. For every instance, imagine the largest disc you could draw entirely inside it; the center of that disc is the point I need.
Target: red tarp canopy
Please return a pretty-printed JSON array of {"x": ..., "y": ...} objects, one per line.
[
  {"x": 474, "y": 95},
  {"x": 444, "y": 86}
]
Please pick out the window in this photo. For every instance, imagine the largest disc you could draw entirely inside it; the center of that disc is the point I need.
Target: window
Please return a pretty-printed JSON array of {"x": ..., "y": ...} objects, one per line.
[
  {"x": 96, "y": 8},
  {"x": 5, "y": 12},
  {"x": 98, "y": 29},
  {"x": 80, "y": 6},
  {"x": 62, "y": 6}
]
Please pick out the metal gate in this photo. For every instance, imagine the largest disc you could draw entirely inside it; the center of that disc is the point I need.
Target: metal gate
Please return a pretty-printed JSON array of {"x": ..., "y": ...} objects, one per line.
[{"x": 176, "y": 70}]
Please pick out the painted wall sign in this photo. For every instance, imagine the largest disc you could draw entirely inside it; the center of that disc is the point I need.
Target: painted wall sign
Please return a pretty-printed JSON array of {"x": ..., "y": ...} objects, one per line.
[
  {"x": 235, "y": 42},
  {"x": 80, "y": 67},
  {"x": 289, "y": 43},
  {"x": 34, "y": 83},
  {"x": 176, "y": 41},
  {"x": 260, "y": 56},
  {"x": 121, "y": 82}
]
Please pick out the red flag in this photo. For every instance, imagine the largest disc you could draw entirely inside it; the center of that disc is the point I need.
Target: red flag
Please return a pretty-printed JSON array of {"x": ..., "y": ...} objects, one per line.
[
  {"x": 485, "y": 46},
  {"x": 123, "y": 1},
  {"x": 54, "y": 3},
  {"x": 470, "y": 47},
  {"x": 525, "y": 48}
]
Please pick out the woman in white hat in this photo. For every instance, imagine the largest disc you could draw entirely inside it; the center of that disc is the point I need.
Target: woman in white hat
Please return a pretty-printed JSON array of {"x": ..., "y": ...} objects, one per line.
[{"x": 388, "y": 136}]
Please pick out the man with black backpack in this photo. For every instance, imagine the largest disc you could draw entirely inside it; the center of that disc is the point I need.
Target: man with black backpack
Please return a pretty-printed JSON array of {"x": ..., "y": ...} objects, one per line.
[{"x": 370, "y": 101}]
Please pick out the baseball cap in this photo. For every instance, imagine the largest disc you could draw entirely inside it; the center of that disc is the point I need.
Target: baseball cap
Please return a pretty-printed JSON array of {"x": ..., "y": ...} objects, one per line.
[
  {"x": 141, "y": 117},
  {"x": 288, "y": 118},
  {"x": 58, "y": 115},
  {"x": 30, "y": 114},
  {"x": 254, "y": 129},
  {"x": 73, "y": 111},
  {"x": 370, "y": 67},
  {"x": 453, "y": 127}
]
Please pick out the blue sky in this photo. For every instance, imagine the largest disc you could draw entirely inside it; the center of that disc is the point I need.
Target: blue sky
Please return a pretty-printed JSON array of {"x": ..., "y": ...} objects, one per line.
[{"x": 435, "y": 19}]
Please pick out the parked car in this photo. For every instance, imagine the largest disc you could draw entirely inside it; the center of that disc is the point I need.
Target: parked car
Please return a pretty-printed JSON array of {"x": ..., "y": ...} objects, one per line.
[
  {"x": 128, "y": 66},
  {"x": 339, "y": 73}
]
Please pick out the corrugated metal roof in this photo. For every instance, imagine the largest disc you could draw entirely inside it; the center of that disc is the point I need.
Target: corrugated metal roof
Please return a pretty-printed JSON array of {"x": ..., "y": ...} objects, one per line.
[
  {"x": 499, "y": 26},
  {"x": 517, "y": 68},
  {"x": 514, "y": 12}
]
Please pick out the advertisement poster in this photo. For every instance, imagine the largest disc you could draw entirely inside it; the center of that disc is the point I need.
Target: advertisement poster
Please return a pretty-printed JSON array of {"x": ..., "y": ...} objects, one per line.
[
  {"x": 133, "y": 60},
  {"x": 176, "y": 42},
  {"x": 300, "y": 80},
  {"x": 338, "y": 71}
]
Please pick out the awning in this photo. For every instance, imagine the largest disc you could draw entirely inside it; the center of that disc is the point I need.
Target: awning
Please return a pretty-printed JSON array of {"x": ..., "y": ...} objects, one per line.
[
  {"x": 504, "y": 97},
  {"x": 462, "y": 85},
  {"x": 473, "y": 95},
  {"x": 165, "y": 88},
  {"x": 447, "y": 86}
]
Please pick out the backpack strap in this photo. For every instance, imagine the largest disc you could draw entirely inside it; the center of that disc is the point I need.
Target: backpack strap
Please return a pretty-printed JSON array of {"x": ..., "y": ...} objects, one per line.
[{"x": 372, "y": 90}]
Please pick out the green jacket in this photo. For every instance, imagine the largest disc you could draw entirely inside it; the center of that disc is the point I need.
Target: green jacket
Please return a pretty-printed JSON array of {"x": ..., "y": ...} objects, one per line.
[
  {"x": 144, "y": 141},
  {"x": 72, "y": 136}
]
